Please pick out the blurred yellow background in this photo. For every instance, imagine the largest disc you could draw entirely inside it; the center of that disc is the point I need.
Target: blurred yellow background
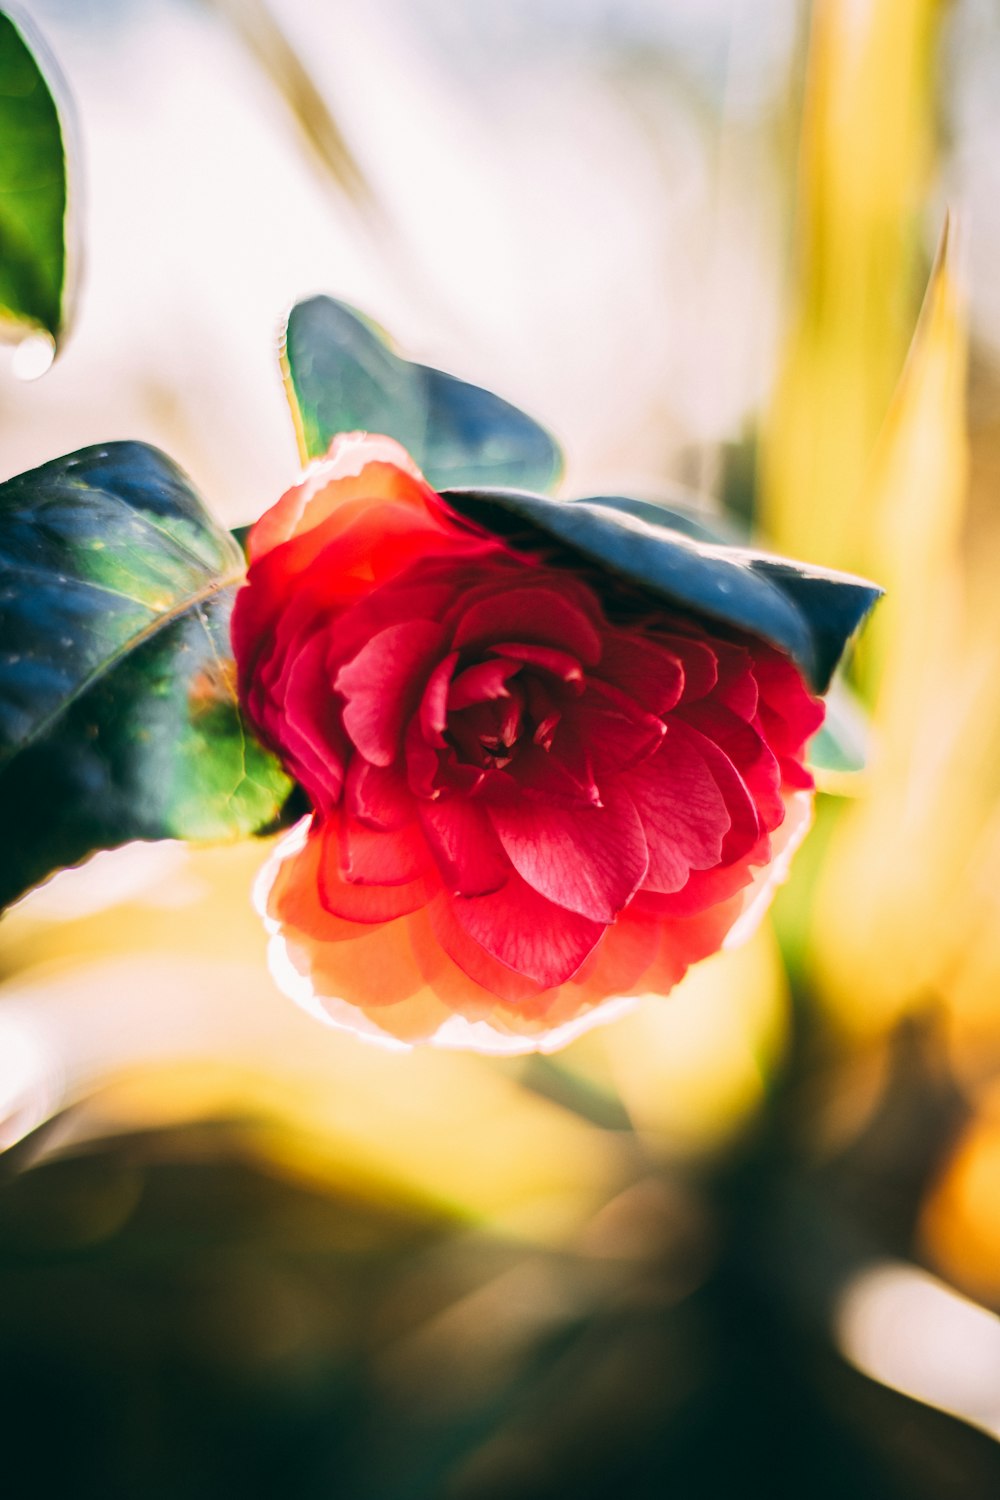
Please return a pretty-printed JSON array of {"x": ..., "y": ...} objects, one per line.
[{"x": 750, "y": 250}]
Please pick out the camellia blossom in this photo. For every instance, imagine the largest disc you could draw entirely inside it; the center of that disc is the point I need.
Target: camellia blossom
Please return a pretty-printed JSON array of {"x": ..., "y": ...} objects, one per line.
[{"x": 536, "y": 794}]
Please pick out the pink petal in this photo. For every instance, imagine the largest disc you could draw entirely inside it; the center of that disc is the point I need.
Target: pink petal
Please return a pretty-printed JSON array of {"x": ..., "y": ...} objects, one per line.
[
  {"x": 588, "y": 860},
  {"x": 383, "y": 683}
]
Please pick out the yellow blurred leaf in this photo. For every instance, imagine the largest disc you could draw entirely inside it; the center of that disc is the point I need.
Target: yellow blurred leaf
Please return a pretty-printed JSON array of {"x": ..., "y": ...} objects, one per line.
[
  {"x": 865, "y": 154},
  {"x": 960, "y": 1225},
  {"x": 102, "y": 1008},
  {"x": 694, "y": 1067},
  {"x": 889, "y": 909}
]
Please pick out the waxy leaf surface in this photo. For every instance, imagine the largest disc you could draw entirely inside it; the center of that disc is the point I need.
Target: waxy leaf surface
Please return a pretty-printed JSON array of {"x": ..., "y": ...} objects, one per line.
[
  {"x": 33, "y": 193},
  {"x": 118, "y": 711},
  {"x": 809, "y": 613},
  {"x": 342, "y": 375}
]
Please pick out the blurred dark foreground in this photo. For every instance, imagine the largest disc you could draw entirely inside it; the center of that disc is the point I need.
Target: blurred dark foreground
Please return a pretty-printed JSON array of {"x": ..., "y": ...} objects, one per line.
[{"x": 179, "y": 1319}]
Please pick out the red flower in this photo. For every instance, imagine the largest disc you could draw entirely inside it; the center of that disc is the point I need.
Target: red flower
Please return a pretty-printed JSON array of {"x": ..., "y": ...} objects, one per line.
[{"x": 535, "y": 793}]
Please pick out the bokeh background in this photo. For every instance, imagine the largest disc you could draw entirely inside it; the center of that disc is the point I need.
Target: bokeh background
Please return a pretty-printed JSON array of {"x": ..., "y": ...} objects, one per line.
[{"x": 746, "y": 1241}]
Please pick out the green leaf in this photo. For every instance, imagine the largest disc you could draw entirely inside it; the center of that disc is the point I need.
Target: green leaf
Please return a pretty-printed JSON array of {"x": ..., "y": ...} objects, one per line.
[
  {"x": 343, "y": 376},
  {"x": 839, "y": 750},
  {"x": 809, "y": 613},
  {"x": 118, "y": 711},
  {"x": 33, "y": 195}
]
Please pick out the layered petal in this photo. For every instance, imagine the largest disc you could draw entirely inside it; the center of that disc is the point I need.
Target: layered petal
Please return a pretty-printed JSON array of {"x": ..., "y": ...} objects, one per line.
[
  {"x": 589, "y": 860},
  {"x": 534, "y": 799}
]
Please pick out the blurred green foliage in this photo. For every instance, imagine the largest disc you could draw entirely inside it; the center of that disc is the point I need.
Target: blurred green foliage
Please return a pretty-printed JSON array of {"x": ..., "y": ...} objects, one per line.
[{"x": 33, "y": 190}]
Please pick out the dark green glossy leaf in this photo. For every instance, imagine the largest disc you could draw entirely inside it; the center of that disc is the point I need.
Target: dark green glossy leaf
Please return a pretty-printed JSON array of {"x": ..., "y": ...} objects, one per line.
[
  {"x": 343, "y": 376},
  {"x": 118, "y": 710},
  {"x": 681, "y": 514},
  {"x": 33, "y": 256},
  {"x": 810, "y": 613},
  {"x": 241, "y": 535}
]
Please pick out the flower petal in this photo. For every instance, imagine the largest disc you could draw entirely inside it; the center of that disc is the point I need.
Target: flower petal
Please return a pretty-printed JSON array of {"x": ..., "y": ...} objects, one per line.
[
  {"x": 464, "y": 846},
  {"x": 682, "y": 810},
  {"x": 378, "y": 795},
  {"x": 529, "y": 934},
  {"x": 357, "y": 463},
  {"x": 617, "y": 732},
  {"x": 587, "y": 860},
  {"x": 355, "y": 902},
  {"x": 647, "y": 671},
  {"x": 484, "y": 680},
  {"x": 375, "y": 856},
  {"x": 535, "y": 616},
  {"x": 383, "y": 684}
]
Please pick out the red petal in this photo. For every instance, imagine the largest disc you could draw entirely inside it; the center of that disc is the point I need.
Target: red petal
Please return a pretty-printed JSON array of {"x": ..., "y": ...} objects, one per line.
[
  {"x": 559, "y": 664},
  {"x": 683, "y": 812},
  {"x": 588, "y": 860},
  {"x": 787, "y": 712},
  {"x": 526, "y": 932},
  {"x": 566, "y": 780},
  {"x": 377, "y": 856},
  {"x": 616, "y": 731},
  {"x": 464, "y": 846},
  {"x": 737, "y": 685},
  {"x": 307, "y": 728},
  {"x": 744, "y": 747},
  {"x": 487, "y": 679},
  {"x": 647, "y": 671},
  {"x": 620, "y": 961},
  {"x": 357, "y": 463},
  {"x": 531, "y": 615},
  {"x": 700, "y": 663},
  {"x": 378, "y": 795},
  {"x": 468, "y": 962},
  {"x": 745, "y": 823},
  {"x": 364, "y": 903},
  {"x": 383, "y": 683},
  {"x": 434, "y": 704},
  {"x": 704, "y": 888}
]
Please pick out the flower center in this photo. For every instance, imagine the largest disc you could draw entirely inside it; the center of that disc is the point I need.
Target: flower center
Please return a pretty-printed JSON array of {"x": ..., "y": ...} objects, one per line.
[{"x": 487, "y": 734}]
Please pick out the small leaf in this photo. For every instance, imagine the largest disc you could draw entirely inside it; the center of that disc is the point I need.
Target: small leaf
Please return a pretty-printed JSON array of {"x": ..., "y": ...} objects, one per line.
[
  {"x": 342, "y": 375},
  {"x": 33, "y": 194},
  {"x": 118, "y": 711},
  {"x": 810, "y": 613},
  {"x": 838, "y": 752}
]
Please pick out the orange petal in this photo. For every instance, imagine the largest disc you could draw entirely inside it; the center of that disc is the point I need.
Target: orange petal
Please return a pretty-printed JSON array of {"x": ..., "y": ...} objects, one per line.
[{"x": 358, "y": 465}]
